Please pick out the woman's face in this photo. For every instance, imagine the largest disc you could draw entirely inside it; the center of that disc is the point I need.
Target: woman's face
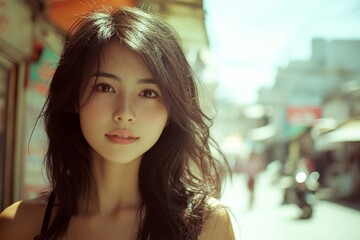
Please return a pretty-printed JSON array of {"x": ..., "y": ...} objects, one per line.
[{"x": 126, "y": 115}]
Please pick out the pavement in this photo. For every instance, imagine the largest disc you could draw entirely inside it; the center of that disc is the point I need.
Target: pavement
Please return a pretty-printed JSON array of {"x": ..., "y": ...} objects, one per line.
[{"x": 271, "y": 220}]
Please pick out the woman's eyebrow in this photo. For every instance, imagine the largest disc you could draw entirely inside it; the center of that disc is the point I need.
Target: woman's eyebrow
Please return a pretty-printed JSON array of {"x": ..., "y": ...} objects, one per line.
[
  {"x": 148, "y": 81},
  {"x": 106, "y": 75},
  {"x": 114, "y": 77}
]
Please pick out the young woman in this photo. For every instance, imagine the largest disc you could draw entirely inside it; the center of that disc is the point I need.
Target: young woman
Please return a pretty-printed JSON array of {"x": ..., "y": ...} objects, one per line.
[{"x": 128, "y": 145}]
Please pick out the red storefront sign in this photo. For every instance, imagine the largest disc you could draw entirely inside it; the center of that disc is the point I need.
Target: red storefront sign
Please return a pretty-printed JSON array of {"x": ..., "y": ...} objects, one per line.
[{"x": 303, "y": 115}]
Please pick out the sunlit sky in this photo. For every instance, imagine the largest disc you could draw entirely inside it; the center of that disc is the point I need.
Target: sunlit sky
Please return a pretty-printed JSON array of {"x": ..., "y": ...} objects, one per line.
[{"x": 249, "y": 40}]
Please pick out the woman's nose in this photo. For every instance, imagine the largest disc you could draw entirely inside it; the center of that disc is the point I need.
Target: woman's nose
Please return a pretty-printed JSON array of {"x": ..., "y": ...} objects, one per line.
[{"x": 124, "y": 110}]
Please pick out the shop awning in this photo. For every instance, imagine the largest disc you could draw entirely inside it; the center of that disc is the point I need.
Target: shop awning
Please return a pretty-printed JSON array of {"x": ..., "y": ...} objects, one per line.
[
  {"x": 349, "y": 131},
  {"x": 65, "y": 12},
  {"x": 187, "y": 17}
]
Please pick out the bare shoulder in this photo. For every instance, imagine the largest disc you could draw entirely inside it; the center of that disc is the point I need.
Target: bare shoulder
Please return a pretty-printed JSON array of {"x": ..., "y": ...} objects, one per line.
[
  {"x": 218, "y": 225},
  {"x": 23, "y": 219}
]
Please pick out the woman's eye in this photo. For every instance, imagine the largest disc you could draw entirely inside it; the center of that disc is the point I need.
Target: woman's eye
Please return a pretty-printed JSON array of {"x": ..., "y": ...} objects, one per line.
[
  {"x": 149, "y": 94},
  {"x": 102, "y": 87}
]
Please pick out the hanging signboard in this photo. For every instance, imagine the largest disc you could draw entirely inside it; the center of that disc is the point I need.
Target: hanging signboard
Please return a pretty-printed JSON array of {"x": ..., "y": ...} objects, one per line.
[{"x": 302, "y": 115}]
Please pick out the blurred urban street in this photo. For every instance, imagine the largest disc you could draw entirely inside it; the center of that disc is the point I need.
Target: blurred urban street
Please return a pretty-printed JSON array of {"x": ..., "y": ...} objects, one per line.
[
  {"x": 284, "y": 77},
  {"x": 270, "y": 219}
]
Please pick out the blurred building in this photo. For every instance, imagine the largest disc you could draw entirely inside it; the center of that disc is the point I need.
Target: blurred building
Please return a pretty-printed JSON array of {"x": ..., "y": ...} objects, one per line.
[{"x": 313, "y": 102}]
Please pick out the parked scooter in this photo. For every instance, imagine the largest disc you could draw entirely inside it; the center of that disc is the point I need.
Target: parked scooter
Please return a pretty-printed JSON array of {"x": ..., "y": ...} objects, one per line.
[
  {"x": 301, "y": 188},
  {"x": 305, "y": 187}
]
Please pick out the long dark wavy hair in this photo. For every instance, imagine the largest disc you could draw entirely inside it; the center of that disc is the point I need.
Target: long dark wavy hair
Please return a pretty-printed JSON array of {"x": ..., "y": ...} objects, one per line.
[{"x": 179, "y": 173}]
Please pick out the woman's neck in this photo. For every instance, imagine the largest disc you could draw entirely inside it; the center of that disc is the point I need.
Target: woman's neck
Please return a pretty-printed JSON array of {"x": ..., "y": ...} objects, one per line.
[{"x": 116, "y": 187}]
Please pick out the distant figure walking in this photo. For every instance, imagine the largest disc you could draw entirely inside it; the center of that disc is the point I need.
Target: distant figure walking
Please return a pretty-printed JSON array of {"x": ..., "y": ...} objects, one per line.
[{"x": 252, "y": 168}]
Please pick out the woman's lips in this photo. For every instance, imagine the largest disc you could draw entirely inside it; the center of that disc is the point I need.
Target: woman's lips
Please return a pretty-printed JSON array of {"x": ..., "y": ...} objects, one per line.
[
  {"x": 121, "y": 140},
  {"x": 121, "y": 136}
]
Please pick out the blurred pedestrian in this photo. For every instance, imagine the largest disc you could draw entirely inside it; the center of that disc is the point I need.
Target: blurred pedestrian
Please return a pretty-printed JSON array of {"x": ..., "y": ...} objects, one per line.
[
  {"x": 252, "y": 169},
  {"x": 128, "y": 145}
]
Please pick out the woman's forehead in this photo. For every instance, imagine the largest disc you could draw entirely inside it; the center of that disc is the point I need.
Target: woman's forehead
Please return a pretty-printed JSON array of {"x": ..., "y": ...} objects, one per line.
[{"x": 120, "y": 53}]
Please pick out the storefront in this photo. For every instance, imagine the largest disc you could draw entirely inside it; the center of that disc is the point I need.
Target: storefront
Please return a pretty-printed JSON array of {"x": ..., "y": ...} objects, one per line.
[
  {"x": 15, "y": 50},
  {"x": 342, "y": 169}
]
